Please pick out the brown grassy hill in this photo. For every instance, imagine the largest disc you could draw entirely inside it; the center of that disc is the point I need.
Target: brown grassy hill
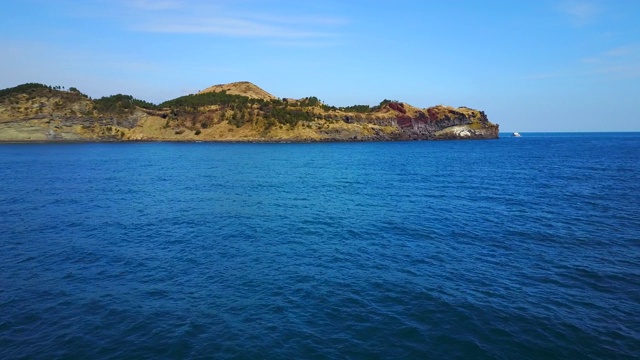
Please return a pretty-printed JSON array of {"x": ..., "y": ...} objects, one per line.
[
  {"x": 242, "y": 88},
  {"x": 232, "y": 112}
]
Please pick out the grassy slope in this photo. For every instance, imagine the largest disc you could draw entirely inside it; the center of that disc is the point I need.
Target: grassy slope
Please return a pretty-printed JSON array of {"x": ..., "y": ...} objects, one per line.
[
  {"x": 243, "y": 88},
  {"x": 41, "y": 113}
]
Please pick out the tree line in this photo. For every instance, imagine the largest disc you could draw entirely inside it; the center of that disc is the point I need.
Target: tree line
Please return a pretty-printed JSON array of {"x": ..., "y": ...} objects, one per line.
[
  {"x": 282, "y": 111},
  {"x": 120, "y": 104}
]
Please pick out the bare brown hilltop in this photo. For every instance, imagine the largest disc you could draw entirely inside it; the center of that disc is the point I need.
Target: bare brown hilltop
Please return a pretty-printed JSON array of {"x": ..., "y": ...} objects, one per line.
[
  {"x": 238, "y": 111},
  {"x": 242, "y": 88}
]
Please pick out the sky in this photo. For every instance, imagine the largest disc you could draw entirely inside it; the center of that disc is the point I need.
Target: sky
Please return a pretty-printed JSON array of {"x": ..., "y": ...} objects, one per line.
[{"x": 539, "y": 65}]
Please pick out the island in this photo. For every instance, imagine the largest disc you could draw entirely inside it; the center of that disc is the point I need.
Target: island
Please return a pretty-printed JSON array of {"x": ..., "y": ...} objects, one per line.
[{"x": 238, "y": 112}]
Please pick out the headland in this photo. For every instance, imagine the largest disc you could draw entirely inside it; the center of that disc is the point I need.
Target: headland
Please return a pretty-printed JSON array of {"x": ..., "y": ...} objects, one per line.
[{"x": 238, "y": 112}]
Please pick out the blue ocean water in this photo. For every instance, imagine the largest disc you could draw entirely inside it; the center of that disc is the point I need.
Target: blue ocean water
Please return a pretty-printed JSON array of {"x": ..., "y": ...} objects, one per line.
[{"x": 517, "y": 248}]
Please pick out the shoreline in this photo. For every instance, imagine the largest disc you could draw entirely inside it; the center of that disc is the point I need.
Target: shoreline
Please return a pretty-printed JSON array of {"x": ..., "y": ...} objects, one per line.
[{"x": 253, "y": 141}]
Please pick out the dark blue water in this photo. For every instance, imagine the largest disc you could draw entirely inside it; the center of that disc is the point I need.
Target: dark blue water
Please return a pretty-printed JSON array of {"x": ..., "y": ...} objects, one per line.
[{"x": 518, "y": 248}]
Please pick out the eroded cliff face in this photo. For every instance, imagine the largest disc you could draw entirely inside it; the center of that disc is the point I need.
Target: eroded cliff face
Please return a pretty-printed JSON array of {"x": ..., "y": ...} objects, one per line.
[
  {"x": 437, "y": 122},
  {"x": 45, "y": 114}
]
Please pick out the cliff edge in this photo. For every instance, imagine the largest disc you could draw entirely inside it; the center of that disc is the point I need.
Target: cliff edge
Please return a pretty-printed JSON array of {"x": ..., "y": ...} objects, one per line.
[{"x": 230, "y": 112}]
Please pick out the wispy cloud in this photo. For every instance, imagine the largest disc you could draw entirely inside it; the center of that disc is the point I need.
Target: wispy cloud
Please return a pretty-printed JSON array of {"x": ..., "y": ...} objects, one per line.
[
  {"x": 182, "y": 17},
  {"x": 299, "y": 19},
  {"x": 623, "y": 51},
  {"x": 229, "y": 26},
  {"x": 580, "y": 13},
  {"x": 622, "y": 62},
  {"x": 305, "y": 43},
  {"x": 95, "y": 73},
  {"x": 616, "y": 63},
  {"x": 545, "y": 76},
  {"x": 156, "y": 4}
]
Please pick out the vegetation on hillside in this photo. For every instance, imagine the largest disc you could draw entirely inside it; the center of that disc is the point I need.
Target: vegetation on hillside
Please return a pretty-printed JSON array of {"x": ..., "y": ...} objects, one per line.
[
  {"x": 203, "y": 110},
  {"x": 356, "y": 108},
  {"x": 245, "y": 109},
  {"x": 208, "y": 115},
  {"x": 41, "y": 89},
  {"x": 20, "y": 89},
  {"x": 208, "y": 99},
  {"x": 120, "y": 104},
  {"x": 286, "y": 111}
]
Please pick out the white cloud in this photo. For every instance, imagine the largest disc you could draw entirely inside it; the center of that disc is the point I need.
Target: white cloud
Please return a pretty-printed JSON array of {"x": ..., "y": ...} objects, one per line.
[
  {"x": 311, "y": 43},
  {"x": 226, "y": 19},
  {"x": 229, "y": 26},
  {"x": 94, "y": 73},
  {"x": 622, "y": 62},
  {"x": 580, "y": 13},
  {"x": 623, "y": 51},
  {"x": 155, "y": 4},
  {"x": 300, "y": 19}
]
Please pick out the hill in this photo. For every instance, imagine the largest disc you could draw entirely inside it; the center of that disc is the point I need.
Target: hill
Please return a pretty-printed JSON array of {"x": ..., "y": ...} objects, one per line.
[
  {"x": 242, "y": 88},
  {"x": 231, "y": 112}
]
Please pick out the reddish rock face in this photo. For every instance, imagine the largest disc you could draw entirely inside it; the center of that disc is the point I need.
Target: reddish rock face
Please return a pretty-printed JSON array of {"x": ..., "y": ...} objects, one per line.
[
  {"x": 404, "y": 121},
  {"x": 397, "y": 107},
  {"x": 422, "y": 117},
  {"x": 433, "y": 115}
]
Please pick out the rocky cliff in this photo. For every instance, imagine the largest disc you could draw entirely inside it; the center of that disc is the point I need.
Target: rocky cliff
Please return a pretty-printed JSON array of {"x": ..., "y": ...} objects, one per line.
[{"x": 232, "y": 112}]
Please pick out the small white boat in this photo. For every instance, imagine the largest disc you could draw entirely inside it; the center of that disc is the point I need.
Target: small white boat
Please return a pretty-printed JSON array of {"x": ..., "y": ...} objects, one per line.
[{"x": 515, "y": 134}]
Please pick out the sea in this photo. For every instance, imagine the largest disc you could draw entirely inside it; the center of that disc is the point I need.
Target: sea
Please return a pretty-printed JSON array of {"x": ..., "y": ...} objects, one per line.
[{"x": 515, "y": 248}]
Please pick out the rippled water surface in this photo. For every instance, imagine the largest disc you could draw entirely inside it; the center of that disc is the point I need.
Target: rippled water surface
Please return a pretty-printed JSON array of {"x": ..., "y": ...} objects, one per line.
[{"x": 522, "y": 248}]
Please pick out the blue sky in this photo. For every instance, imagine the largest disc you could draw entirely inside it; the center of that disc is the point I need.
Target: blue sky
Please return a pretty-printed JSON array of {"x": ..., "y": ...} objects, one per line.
[{"x": 539, "y": 65}]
